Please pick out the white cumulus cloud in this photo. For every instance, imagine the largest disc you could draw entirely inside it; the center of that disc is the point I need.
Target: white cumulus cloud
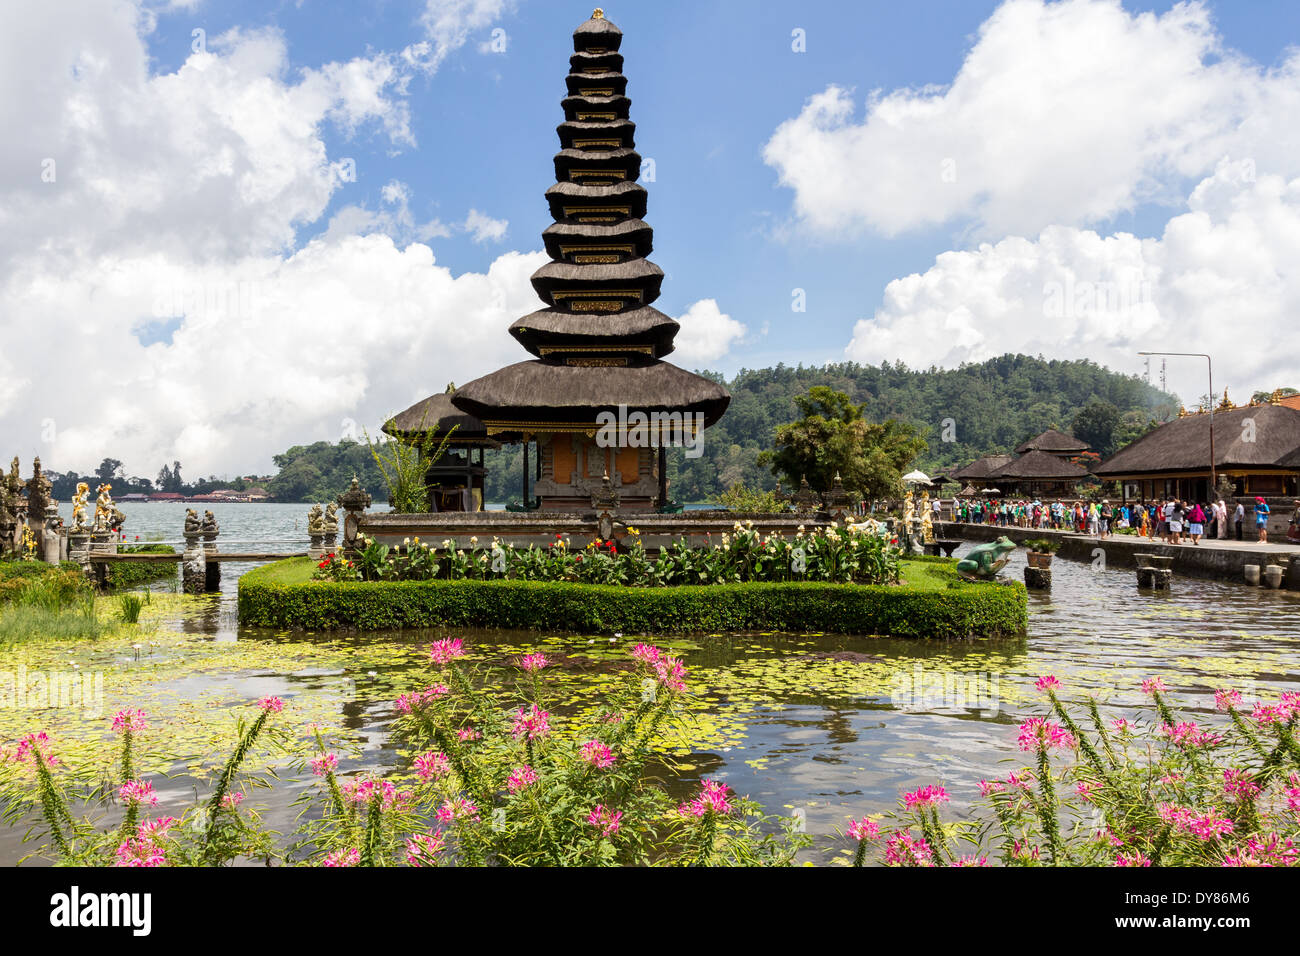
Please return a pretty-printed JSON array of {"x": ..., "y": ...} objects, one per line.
[{"x": 707, "y": 333}]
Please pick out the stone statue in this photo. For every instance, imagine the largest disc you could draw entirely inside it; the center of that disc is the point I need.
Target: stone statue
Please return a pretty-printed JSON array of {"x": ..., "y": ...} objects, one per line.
[
  {"x": 316, "y": 521},
  {"x": 331, "y": 524},
  {"x": 40, "y": 492},
  {"x": 909, "y": 511},
  {"x": 209, "y": 526},
  {"x": 984, "y": 561},
  {"x": 192, "y": 527},
  {"x": 927, "y": 518},
  {"x": 104, "y": 509},
  {"x": 79, "y": 508}
]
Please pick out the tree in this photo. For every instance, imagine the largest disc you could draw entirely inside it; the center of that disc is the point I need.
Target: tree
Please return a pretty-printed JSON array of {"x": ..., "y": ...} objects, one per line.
[
  {"x": 108, "y": 470},
  {"x": 164, "y": 478},
  {"x": 178, "y": 483},
  {"x": 1095, "y": 424},
  {"x": 833, "y": 437}
]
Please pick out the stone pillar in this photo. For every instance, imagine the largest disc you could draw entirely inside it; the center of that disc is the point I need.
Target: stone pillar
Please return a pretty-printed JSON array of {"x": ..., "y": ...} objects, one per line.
[
  {"x": 212, "y": 570},
  {"x": 1039, "y": 579},
  {"x": 79, "y": 549},
  {"x": 1273, "y": 575},
  {"x": 194, "y": 575},
  {"x": 1252, "y": 574},
  {"x": 1155, "y": 579}
]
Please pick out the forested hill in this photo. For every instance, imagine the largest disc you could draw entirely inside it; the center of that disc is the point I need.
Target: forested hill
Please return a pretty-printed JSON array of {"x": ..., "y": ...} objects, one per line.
[{"x": 989, "y": 407}]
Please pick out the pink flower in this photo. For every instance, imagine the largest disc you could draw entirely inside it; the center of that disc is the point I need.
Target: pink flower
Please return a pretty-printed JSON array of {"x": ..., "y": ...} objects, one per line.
[
  {"x": 520, "y": 778},
  {"x": 423, "y": 848},
  {"x": 433, "y": 764},
  {"x": 1206, "y": 826},
  {"x": 605, "y": 820},
  {"x": 1187, "y": 734},
  {"x": 1226, "y": 699},
  {"x": 670, "y": 672},
  {"x": 231, "y": 801},
  {"x": 929, "y": 795},
  {"x": 711, "y": 799},
  {"x": 1137, "y": 859},
  {"x": 32, "y": 745},
  {"x": 349, "y": 857},
  {"x": 988, "y": 787},
  {"x": 140, "y": 852},
  {"x": 598, "y": 755},
  {"x": 1270, "y": 714},
  {"x": 1047, "y": 682},
  {"x": 458, "y": 808},
  {"x": 272, "y": 705},
  {"x": 1153, "y": 685},
  {"x": 532, "y": 723},
  {"x": 970, "y": 861},
  {"x": 533, "y": 662},
  {"x": 446, "y": 650},
  {"x": 864, "y": 829},
  {"x": 647, "y": 654},
  {"x": 367, "y": 789},
  {"x": 1122, "y": 725},
  {"x": 1084, "y": 790},
  {"x": 1039, "y": 732},
  {"x": 902, "y": 850},
  {"x": 130, "y": 721},
  {"x": 1238, "y": 783},
  {"x": 408, "y": 702},
  {"x": 1024, "y": 851},
  {"x": 138, "y": 791},
  {"x": 1022, "y": 780},
  {"x": 469, "y": 733},
  {"x": 1271, "y": 850},
  {"x": 156, "y": 829},
  {"x": 322, "y": 764}
]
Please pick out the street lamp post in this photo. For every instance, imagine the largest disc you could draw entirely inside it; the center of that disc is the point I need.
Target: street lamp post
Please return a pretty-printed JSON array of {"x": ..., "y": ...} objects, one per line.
[{"x": 1209, "y": 364}]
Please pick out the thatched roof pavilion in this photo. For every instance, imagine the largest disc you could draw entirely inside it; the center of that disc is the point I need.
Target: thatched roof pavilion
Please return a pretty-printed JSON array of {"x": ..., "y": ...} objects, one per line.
[
  {"x": 599, "y": 345},
  {"x": 1056, "y": 443}
]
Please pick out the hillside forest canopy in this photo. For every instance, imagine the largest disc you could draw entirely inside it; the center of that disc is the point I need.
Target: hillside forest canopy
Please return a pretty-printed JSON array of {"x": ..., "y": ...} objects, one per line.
[{"x": 948, "y": 417}]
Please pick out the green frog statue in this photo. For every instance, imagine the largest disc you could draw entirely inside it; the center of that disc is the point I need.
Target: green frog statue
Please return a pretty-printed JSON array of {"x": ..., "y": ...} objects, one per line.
[{"x": 984, "y": 561}]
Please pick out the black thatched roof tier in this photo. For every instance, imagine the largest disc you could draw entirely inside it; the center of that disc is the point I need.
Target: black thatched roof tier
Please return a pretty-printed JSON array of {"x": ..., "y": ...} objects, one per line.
[
  {"x": 633, "y": 283},
  {"x": 595, "y": 109},
  {"x": 1271, "y": 439},
  {"x": 1054, "y": 441},
  {"x": 596, "y": 84},
  {"x": 618, "y": 134},
  {"x": 605, "y": 165},
  {"x": 589, "y": 242},
  {"x": 437, "y": 415},
  {"x": 597, "y": 34},
  {"x": 561, "y": 332},
  {"x": 1039, "y": 465},
  {"x": 532, "y": 395},
  {"x": 979, "y": 469},
  {"x": 570, "y": 201},
  {"x": 596, "y": 63}
]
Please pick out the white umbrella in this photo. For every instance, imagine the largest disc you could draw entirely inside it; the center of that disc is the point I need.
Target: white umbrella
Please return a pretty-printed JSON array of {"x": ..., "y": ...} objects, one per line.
[{"x": 917, "y": 477}]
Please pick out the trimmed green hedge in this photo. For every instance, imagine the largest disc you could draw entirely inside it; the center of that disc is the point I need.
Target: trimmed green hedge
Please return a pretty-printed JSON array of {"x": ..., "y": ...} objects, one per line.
[
  {"x": 960, "y": 610},
  {"x": 124, "y": 575}
]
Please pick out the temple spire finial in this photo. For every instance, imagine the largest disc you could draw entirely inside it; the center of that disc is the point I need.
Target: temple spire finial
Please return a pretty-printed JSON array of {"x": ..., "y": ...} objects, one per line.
[{"x": 598, "y": 14}]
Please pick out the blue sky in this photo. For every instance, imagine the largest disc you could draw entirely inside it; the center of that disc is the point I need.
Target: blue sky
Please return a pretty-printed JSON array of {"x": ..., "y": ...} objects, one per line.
[
  {"x": 709, "y": 81},
  {"x": 945, "y": 181}
]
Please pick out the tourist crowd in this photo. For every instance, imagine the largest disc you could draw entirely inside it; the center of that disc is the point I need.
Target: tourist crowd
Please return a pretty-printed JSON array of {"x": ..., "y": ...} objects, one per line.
[{"x": 1173, "y": 521}]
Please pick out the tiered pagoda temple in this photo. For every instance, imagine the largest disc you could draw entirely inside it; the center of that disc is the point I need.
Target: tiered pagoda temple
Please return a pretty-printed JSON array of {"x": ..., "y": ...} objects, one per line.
[{"x": 599, "y": 343}]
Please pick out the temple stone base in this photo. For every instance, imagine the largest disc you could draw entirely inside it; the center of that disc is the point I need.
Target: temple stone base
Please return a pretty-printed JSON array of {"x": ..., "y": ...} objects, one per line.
[
  {"x": 1039, "y": 579},
  {"x": 1155, "y": 579}
]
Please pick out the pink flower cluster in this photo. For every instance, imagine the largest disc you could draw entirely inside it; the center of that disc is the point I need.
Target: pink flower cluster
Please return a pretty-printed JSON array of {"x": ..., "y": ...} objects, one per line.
[
  {"x": 901, "y": 849},
  {"x": 711, "y": 799},
  {"x": 1204, "y": 826},
  {"x": 445, "y": 651},
  {"x": 422, "y": 848},
  {"x": 138, "y": 791},
  {"x": 468, "y": 733},
  {"x": 272, "y": 705},
  {"x": 669, "y": 670},
  {"x": 1239, "y": 784},
  {"x": 533, "y": 662},
  {"x": 321, "y": 764},
  {"x": 520, "y": 778},
  {"x": 143, "y": 849},
  {"x": 1136, "y": 859},
  {"x": 363, "y": 791},
  {"x": 130, "y": 721},
  {"x": 1187, "y": 734},
  {"x": 34, "y": 744},
  {"x": 231, "y": 801},
  {"x": 432, "y": 765},
  {"x": 970, "y": 861},
  {"x": 532, "y": 723},
  {"x": 927, "y": 796},
  {"x": 1154, "y": 685},
  {"x": 989, "y": 787},
  {"x": 1271, "y": 850},
  {"x": 1226, "y": 699},
  {"x": 605, "y": 819},
  {"x": 864, "y": 829},
  {"x": 1288, "y": 706},
  {"x": 350, "y": 857},
  {"x": 1047, "y": 682},
  {"x": 1121, "y": 725},
  {"x": 408, "y": 702},
  {"x": 598, "y": 755},
  {"x": 1040, "y": 732},
  {"x": 458, "y": 808}
]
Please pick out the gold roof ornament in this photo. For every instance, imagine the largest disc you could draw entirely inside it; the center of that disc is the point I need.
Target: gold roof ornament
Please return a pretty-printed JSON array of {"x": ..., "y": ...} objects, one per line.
[
  {"x": 598, "y": 14},
  {"x": 1276, "y": 397},
  {"x": 1182, "y": 411},
  {"x": 1226, "y": 405}
]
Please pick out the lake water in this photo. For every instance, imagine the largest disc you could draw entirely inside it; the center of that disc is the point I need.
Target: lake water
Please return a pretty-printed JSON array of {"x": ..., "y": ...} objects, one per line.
[{"x": 831, "y": 725}]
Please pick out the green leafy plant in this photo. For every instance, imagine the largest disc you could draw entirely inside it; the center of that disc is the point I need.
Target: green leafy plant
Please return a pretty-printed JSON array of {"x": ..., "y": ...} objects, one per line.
[{"x": 405, "y": 462}]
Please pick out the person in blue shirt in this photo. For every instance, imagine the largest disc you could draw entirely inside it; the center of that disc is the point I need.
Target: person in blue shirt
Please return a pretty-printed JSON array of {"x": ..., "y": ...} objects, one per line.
[{"x": 1261, "y": 519}]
